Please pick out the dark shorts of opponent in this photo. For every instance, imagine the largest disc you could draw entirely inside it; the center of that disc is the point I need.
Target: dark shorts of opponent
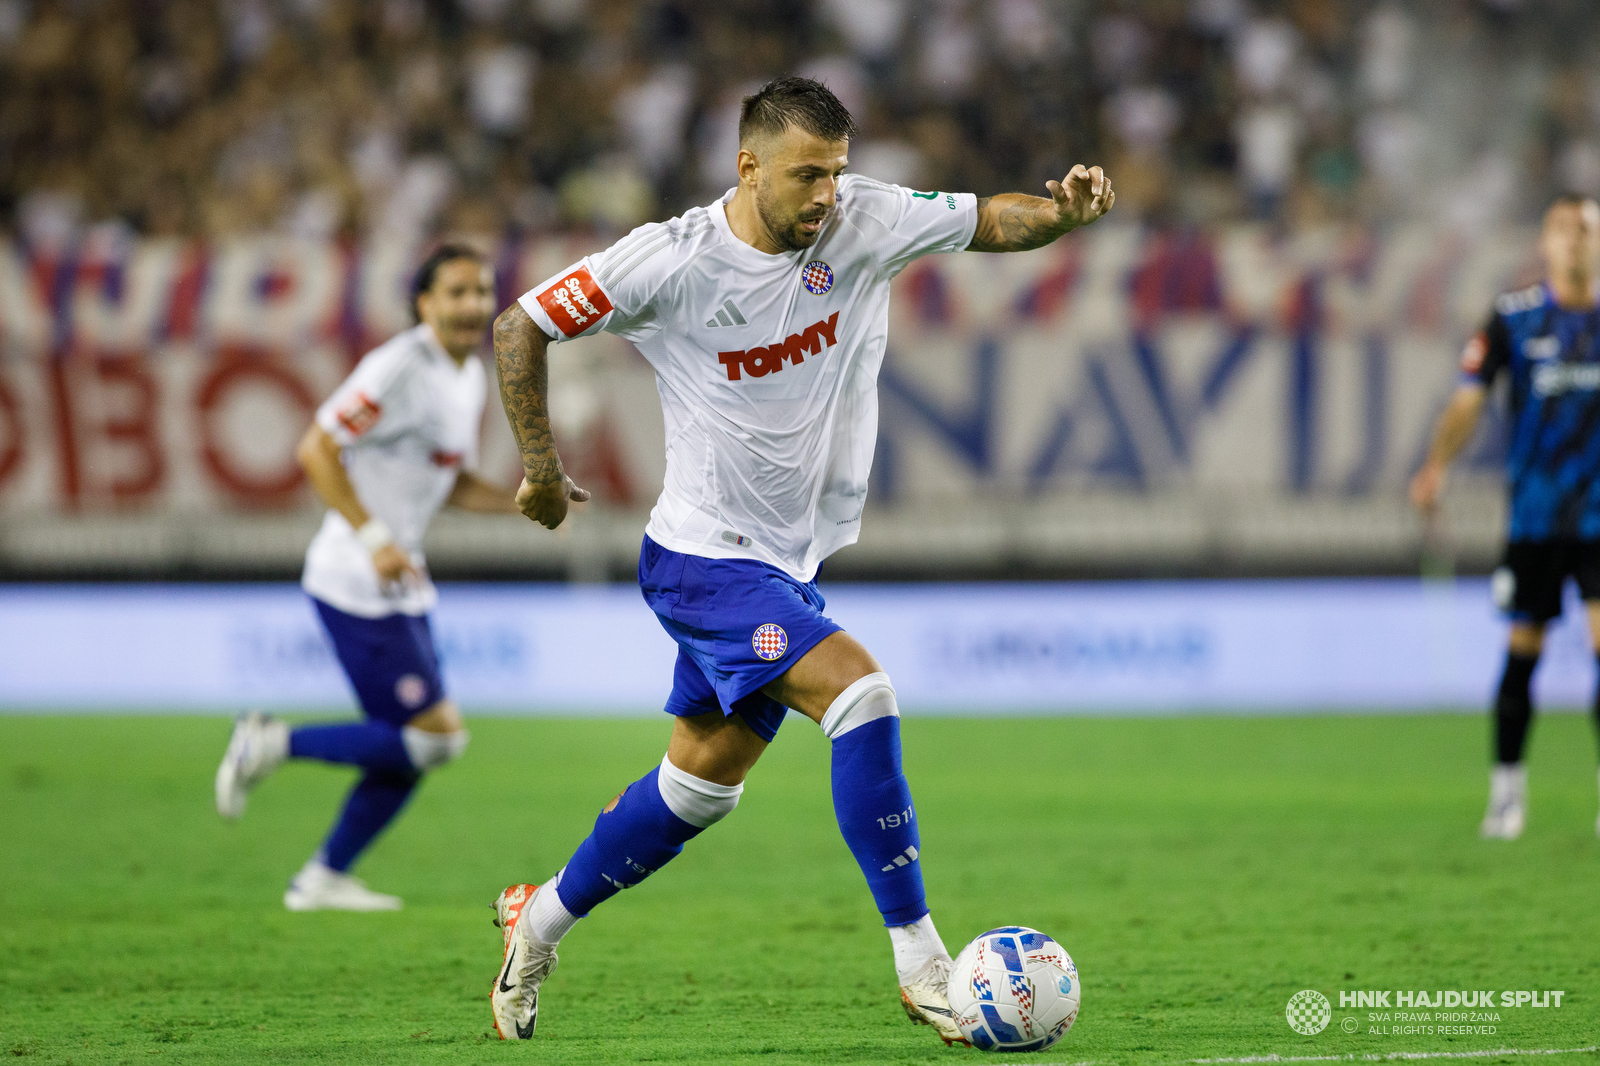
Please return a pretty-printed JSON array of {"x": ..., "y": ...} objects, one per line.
[{"x": 1528, "y": 584}]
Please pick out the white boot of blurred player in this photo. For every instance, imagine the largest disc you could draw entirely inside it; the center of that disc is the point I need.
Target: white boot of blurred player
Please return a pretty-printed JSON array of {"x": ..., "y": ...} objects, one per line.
[
  {"x": 1508, "y": 800},
  {"x": 258, "y": 746},
  {"x": 318, "y": 888}
]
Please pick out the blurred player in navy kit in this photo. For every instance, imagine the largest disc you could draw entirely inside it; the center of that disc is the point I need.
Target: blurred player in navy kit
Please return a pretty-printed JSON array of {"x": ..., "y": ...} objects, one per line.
[
  {"x": 1545, "y": 339},
  {"x": 397, "y": 440}
]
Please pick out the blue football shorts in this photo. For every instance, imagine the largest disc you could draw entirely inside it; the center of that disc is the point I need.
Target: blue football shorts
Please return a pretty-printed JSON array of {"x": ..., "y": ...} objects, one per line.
[
  {"x": 390, "y": 661},
  {"x": 738, "y": 624}
]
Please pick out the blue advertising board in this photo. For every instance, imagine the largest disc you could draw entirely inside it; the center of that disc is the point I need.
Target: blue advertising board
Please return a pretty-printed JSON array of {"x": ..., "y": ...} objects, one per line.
[{"x": 1095, "y": 647}]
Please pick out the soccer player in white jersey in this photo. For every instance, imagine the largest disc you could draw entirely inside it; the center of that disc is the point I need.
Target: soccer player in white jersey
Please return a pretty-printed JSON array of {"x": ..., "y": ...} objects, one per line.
[
  {"x": 394, "y": 442},
  {"x": 765, "y": 316}
]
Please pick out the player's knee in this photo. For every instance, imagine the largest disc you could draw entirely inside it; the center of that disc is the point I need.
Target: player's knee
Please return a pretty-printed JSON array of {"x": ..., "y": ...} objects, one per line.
[
  {"x": 868, "y": 699},
  {"x": 1526, "y": 639},
  {"x": 699, "y": 802},
  {"x": 428, "y": 751}
]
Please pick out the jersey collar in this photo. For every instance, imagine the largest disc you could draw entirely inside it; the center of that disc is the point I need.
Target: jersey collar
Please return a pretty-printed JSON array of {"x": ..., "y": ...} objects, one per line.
[
  {"x": 431, "y": 345},
  {"x": 719, "y": 219}
]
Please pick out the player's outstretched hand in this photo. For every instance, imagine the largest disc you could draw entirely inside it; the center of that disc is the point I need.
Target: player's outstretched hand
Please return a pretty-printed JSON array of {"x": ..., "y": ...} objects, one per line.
[
  {"x": 1084, "y": 196},
  {"x": 1426, "y": 487},
  {"x": 546, "y": 502}
]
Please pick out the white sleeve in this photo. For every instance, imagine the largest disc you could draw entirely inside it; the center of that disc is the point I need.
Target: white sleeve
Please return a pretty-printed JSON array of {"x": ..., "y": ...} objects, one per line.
[
  {"x": 369, "y": 398},
  {"x": 913, "y": 224},
  {"x": 614, "y": 290}
]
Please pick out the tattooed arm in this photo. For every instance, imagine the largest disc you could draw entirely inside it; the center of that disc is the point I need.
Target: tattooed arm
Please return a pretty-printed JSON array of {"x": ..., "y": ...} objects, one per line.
[
  {"x": 1015, "y": 222},
  {"x": 519, "y": 357}
]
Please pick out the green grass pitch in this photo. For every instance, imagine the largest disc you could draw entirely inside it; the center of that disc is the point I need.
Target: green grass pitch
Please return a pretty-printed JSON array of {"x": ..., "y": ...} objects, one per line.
[{"x": 1201, "y": 871}]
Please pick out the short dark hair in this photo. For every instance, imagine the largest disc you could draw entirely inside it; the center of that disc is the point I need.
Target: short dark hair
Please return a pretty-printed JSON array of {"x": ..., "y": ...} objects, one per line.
[
  {"x": 795, "y": 102},
  {"x": 422, "y": 281}
]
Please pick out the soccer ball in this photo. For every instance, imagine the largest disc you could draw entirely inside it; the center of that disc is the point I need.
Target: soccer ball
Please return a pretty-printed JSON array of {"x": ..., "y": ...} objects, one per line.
[{"x": 1014, "y": 989}]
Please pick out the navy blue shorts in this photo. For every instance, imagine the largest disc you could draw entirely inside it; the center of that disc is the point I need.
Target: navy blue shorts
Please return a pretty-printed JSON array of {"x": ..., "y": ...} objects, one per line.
[
  {"x": 738, "y": 624},
  {"x": 390, "y": 661}
]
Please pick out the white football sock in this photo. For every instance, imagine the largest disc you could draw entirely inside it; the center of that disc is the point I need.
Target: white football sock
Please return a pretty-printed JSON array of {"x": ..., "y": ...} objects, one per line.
[
  {"x": 914, "y": 945},
  {"x": 1508, "y": 781},
  {"x": 548, "y": 921}
]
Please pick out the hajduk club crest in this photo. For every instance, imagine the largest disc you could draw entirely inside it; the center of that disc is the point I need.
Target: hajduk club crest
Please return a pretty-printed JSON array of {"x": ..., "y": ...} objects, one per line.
[
  {"x": 818, "y": 277},
  {"x": 770, "y": 642}
]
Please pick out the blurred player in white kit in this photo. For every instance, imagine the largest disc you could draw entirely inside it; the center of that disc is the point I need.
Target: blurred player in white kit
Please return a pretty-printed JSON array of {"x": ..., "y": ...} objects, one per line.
[
  {"x": 765, "y": 317},
  {"x": 395, "y": 441}
]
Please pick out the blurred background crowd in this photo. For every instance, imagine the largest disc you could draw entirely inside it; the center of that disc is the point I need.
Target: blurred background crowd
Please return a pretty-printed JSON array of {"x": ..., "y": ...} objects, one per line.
[{"x": 330, "y": 117}]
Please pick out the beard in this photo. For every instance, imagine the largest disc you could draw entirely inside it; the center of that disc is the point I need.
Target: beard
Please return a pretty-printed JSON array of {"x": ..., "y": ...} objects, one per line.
[{"x": 785, "y": 228}]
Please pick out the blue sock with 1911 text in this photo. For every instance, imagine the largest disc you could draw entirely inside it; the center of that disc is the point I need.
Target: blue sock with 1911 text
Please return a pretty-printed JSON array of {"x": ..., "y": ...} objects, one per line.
[{"x": 871, "y": 798}]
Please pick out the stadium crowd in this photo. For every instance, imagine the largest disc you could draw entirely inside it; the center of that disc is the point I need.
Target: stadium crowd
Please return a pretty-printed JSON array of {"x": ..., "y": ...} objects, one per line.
[{"x": 330, "y": 117}]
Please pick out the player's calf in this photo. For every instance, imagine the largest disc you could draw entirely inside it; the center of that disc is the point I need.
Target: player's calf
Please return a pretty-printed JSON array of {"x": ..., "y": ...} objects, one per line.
[
  {"x": 872, "y": 801},
  {"x": 643, "y": 830},
  {"x": 639, "y": 832}
]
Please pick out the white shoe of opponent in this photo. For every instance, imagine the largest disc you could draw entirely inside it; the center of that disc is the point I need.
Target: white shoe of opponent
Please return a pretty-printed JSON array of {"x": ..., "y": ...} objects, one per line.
[
  {"x": 1505, "y": 820},
  {"x": 924, "y": 997},
  {"x": 514, "y": 996},
  {"x": 258, "y": 746},
  {"x": 318, "y": 888},
  {"x": 1508, "y": 799}
]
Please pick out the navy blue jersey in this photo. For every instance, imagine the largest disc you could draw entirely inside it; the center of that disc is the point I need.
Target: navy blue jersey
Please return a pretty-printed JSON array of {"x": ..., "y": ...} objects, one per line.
[{"x": 1553, "y": 461}]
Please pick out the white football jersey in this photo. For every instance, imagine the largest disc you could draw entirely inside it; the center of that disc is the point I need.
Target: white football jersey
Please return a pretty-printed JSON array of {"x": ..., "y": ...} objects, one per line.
[
  {"x": 767, "y": 365},
  {"x": 408, "y": 419}
]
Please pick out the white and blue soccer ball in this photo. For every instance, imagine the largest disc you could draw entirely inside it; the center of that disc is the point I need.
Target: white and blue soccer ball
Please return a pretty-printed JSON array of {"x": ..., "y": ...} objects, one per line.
[{"x": 1014, "y": 989}]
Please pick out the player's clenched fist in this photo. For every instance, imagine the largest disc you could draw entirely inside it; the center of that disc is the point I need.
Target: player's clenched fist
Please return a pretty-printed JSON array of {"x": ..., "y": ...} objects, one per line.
[
  {"x": 1084, "y": 196},
  {"x": 546, "y": 502}
]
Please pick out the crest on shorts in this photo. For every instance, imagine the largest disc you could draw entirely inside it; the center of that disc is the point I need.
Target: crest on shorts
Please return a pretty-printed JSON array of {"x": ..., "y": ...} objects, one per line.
[
  {"x": 818, "y": 277},
  {"x": 411, "y": 690},
  {"x": 770, "y": 642}
]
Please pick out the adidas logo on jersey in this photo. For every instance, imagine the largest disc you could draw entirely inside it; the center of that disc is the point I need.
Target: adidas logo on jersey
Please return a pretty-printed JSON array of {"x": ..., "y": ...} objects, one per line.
[
  {"x": 759, "y": 362},
  {"x": 727, "y": 315}
]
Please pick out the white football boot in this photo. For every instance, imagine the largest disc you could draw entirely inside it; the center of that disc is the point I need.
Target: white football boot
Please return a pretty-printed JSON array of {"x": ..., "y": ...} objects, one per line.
[
  {"x": 1508, "y": 799},
  {"x": 258, "y": 746},
  {"x": 514, "y": 996},
  {"x": 318, "y": 888},
  {"x": 924, "y": 997}
]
